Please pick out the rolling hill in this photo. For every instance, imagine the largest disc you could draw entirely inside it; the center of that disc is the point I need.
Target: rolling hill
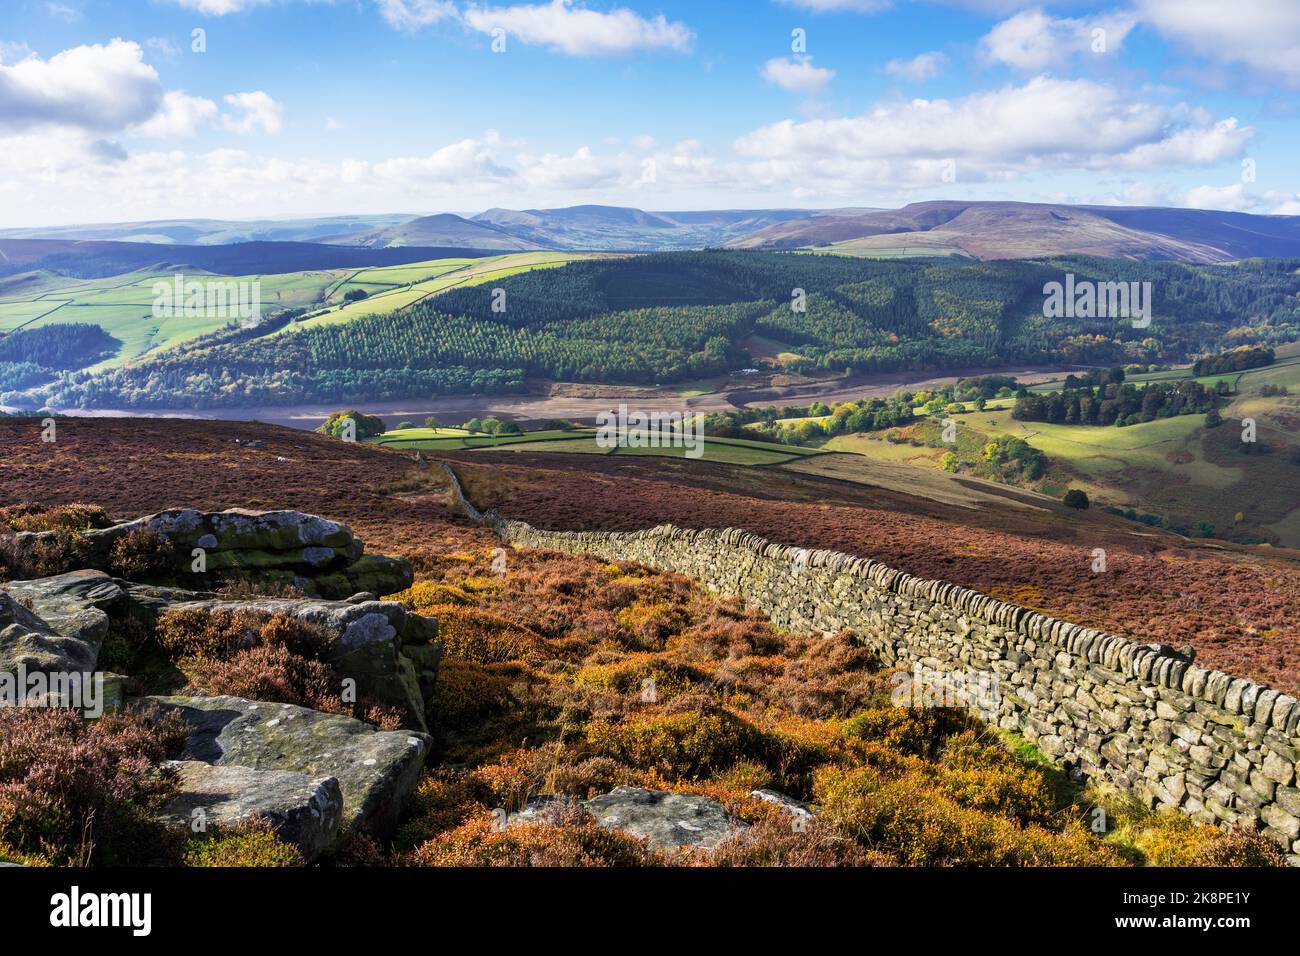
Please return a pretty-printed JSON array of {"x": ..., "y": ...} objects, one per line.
[
  {"x": 625, "y": 229},
  {"x": 971, "y": 230},
  {"x": 444, "y": 229},
  {"x": 1011, "y": 230},
  {"x": 211, "y": 232}
]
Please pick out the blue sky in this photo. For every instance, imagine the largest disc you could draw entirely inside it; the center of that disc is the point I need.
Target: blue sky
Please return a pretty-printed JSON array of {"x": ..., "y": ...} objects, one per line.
[{"x": 112, "y": 111}]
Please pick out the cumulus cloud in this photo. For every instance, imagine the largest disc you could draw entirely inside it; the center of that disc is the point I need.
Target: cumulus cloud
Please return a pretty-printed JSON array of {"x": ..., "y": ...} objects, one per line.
[
  {"x": 1232, "y": 198},
  {"x": 797, "y": 75},
  {"x": 578, "y": 31},
  {"x": 180, "y": 115},
  {"x": 96, "y": 88},
  {"x": 219, "y": 8},
  {"x": 469, "y": 160},
  {"x": 414, "y": 14},
  {"x": 1044, "y": 124},
  {"x": 918, "y": 69},
  {"x": 256, "y": 110},
  {"x": 1033, "y": 41},
  {"x": 840, "y": 6},
  {"x": 1263, "y": 34}
]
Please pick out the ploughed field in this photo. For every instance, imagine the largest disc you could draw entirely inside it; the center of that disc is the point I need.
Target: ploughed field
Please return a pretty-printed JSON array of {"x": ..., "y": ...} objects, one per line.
[{"x": 540, "y": 702}]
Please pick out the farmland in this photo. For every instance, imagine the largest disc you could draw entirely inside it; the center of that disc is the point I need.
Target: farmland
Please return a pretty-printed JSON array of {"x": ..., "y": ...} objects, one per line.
[
  {"x": 1174, "y": 468},
  {"x": 123, "y": 305},
  {"x": 584, "y": 441}
]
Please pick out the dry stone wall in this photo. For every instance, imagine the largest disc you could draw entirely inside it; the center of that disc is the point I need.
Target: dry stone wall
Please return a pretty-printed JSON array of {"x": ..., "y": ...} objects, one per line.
[{"x": 1143, "y": 716}]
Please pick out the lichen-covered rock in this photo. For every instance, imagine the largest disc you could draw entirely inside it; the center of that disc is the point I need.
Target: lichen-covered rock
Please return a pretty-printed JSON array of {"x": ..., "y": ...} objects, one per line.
[
  {"x": 301, "y": 809},
  {"x": 376, "y": 770},
  {"x": 56, "y": 623},
  {"x": 666, "y": 820},
  {"x": 366, "y": 641},
  {"x": 319, "y": 556}
]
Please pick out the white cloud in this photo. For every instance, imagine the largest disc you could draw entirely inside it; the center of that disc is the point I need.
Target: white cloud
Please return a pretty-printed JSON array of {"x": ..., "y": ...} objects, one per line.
[
  {"x": 180, "y": 115},
  {"x": 1262, "y": 34},
  {"x": 257, "y": 110},
  {"x": 1044, "y": 124},
  {"x": 1034, "y": 41},
  {"x": 840, "y": 6},
  {"x": 578, "y": 31},
  {"x": 219, "y": 8},
  {"x": 163, "y": 47},
  {"x": 918, "y": 69},
  {"x": 1233, "y": 198},
  {"x": 92, "y": 88},
  {"x": 797, "y": 75},
  {"x": 61, "y": 11},
  {"x": 414, "y": 14},
  {"x": 467, "y": 161}
]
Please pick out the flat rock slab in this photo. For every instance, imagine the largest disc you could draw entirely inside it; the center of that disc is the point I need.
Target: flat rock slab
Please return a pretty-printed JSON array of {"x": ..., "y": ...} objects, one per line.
[
  {"x": 666, "y": 820},
  {"x": 303, "y": 810},
  {"x": 376, "y": 770}
]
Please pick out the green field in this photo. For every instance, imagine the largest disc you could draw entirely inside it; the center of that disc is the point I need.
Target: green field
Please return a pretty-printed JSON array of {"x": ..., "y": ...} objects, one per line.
[
  {"x": 395, "y": 287},
  {"x": 1172, "y": 467},
  {"x": 736, "y": 451},
  {"x": 123, "y": 305}
]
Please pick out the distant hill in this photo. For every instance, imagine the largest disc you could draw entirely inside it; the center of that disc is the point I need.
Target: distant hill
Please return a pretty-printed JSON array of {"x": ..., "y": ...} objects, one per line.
[
  {"x": 610, "y": 228},
  {"x": 626, "y": 229},
  {"x": 971, "y": 230},
  {"x": 89, "y": 260},
  {"x": 445, "y": 229},
  {"x": 1012, "y": 230},
  {"x": 212, "y": 232}
]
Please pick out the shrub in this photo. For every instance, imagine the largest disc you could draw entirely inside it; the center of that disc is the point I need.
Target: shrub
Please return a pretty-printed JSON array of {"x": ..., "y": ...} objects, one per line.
[
  {"x": 479, "y": 842},
  {"x": 221, "y": 632},
  {"x": 73, "y": 517},
  {"x": 774, "y": 841},
  {"x": 252, "y": 843},
  {"x": 698, "y": 744},
  {"x": 472, "y": 635},
  {"x": 268, "y": 673},
  {"x": 915, "y": 731},
  {"x": 1240, "y": 847},
  {"x": 423, "y": 594},
  {"x": 57, "y": 552},
  {"x": 75, "y": 793},
  {"x": 1074, "y": 498},
  {"x": 142, "y": 554},
  {"x": 926, "y": 828},
  {"x": 465, "y": 693},
  {"x": 653, "y": 622}
]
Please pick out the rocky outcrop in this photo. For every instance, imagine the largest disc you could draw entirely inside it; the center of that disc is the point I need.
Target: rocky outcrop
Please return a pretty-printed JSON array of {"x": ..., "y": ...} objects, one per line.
[
  {"x": 322, "y": 558},
  {"x": 51, "y": 632},
  {"x": 368, "y": 638},
  {"x": 300, "y": 808},
  {"x": 665, "y": 820},
  {"x": 375, "y": 770}
]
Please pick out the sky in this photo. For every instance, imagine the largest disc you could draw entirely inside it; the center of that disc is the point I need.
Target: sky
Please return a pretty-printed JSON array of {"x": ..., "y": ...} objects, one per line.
[{"x": 133, "y": 110}]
